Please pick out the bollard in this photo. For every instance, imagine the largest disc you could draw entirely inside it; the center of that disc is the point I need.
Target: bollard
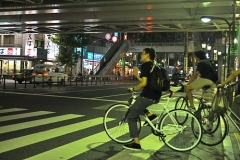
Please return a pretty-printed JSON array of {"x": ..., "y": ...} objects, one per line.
[
  {"x": 50, "y": 82},
  {"x": 25, "y": 84},
  {"x": 15, "y": 84},
  {"x": 87, "y": 80},
  {"x": 42, "y": 81},
  {"x": 58, "y": 81},
  {"x": 34, "y": 84},
  {"x": 82, "y": 80},
  {"x": 70, "y": 80},
  {"x": 4, "y": 81},
  {"x": 64, "y": 81}
]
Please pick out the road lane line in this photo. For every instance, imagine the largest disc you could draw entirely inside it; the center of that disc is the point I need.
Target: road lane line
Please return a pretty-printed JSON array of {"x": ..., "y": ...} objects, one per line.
[
  {"x": 57, "y": 96},
  {"x": 24, "y": 125},
  {"x": 70, "y": 150},
  {"x": 19, "y": 142},
  {"x": 11, "y": 110},
  {"x": 24, "y": 115}
]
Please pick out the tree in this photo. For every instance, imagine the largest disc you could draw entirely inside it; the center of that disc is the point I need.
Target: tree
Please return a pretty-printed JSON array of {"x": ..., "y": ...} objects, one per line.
[{"x": 67, "y": 43}]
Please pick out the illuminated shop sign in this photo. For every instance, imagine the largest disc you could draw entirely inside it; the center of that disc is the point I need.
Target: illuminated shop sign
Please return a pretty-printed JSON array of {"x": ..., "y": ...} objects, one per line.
[
  {"x": 52, "y": 48},
  {"x": 29, "y": 45},
  {"x": 97, "y": 56},
  {"x": 10, "y": 51}
]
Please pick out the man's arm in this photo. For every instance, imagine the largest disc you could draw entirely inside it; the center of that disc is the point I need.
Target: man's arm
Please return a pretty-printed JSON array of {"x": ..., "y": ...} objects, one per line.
[
  {"x": 142, "y": 84},
  {"x": 193, "y": 77},
  {"x": 135, "y": 72},
  {"x": 229, "y": 78}
]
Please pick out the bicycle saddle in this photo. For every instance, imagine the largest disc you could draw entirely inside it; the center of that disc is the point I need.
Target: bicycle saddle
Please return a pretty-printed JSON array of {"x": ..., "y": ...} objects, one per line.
[
  {"x": 206, "y": 87},
  {"x": 175, "y": 89}
]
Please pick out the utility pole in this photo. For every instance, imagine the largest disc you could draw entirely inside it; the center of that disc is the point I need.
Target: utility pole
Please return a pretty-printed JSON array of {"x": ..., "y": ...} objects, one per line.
[{"x": 186, "y": 53}]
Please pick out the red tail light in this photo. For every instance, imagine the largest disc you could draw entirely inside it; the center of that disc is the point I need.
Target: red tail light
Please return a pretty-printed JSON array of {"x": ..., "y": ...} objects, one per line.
[
  {"x": 13, "y": 76},
  {"x": 24, "y": 76},
  {"x": 45, "y": 74},
  {"x": 33, "y": 74}
]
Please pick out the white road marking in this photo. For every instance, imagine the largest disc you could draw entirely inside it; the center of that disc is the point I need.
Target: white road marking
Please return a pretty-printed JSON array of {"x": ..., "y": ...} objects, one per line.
[
  {"x": 24, "y": 115},
  {"x": 11, "y": 110},
  {"x": 24, "y": 125},
  {"x": 19, "y": 142}
]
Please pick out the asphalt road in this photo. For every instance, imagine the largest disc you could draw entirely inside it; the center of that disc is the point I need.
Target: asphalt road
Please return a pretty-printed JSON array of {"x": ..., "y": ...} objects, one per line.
[{"x": 66, "y": 123}]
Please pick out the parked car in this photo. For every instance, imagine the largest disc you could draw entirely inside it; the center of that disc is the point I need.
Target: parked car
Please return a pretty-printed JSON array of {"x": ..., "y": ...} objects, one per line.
[
  {"x": 179, "y": 79},
  {"x": 23, "y": 75},
  {"x": 44, "y": 73}
]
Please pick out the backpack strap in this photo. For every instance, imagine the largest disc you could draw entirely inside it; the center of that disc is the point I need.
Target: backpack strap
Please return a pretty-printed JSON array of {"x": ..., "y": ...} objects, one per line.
[
  {"x": 209, "y": 63},
  {"x": 153, "y": 66}
]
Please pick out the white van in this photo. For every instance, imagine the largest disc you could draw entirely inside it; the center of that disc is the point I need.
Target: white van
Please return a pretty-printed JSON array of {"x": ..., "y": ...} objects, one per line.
[{"x": 45, "y": 73}]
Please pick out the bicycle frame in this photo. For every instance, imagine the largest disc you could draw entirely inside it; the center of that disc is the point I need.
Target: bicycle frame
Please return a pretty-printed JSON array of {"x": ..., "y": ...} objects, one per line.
[{"x": 165, "y": 111}]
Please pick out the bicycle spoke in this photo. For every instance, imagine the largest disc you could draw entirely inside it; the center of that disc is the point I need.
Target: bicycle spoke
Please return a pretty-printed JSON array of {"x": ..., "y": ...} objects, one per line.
[{"x": 176, "y": 134}]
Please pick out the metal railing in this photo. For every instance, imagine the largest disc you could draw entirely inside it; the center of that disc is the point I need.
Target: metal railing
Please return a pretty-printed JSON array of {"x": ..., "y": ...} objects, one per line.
[{"x": 70, "y": 81}]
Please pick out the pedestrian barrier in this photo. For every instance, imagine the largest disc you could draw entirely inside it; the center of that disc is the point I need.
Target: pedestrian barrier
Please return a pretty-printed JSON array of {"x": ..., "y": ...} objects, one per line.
[{"x": 90, "y": 80}]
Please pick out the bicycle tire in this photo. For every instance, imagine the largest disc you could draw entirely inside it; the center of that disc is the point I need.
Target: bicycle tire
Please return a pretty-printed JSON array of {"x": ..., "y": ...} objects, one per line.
[
  {"x": 115, "y": 123},
  {"x": 218, "y": 127},
  {"x": 176, "y": 134},
  {"x": 181, "y": 103}
]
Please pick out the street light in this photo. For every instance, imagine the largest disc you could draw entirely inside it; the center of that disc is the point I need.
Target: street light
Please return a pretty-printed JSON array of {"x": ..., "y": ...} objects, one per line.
[
  {"x": 204, "y": 45},
  {"x": 208, "y": 19}
]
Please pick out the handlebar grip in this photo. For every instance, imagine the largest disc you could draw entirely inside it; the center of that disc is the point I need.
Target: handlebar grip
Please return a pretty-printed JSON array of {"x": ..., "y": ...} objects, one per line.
[{"x": 129, "y": 90}]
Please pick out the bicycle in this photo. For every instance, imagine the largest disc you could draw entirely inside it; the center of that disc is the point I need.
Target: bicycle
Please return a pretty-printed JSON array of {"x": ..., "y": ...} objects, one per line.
[
  {"x": 228, "y": 91},
  {"x": 210, "y": 121},
  {"x": 174, "y": 135}
]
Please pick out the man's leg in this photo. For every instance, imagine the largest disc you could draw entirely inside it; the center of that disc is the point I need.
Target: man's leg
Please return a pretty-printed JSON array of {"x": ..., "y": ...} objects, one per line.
[
  {"x": 135, "y": 110},
  {"x": 188, "y": 90}
]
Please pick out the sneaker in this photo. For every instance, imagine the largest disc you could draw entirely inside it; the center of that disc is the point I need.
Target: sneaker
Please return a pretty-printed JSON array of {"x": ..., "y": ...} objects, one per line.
[
  {"x": 152, "y": 118},
  {"x": 132, "y": 146}
]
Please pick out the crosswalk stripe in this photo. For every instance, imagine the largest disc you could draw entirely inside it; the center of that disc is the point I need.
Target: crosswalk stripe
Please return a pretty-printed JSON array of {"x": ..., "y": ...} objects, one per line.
[
  {"x": 11, "y": 110},
  {"x": 150, "y": 145},
  {"x": 35, "y": 123},
  {"x": 24, "y": 115},
  {"x": 15, "y": 143},
  {"x": 75, "y": 148}
]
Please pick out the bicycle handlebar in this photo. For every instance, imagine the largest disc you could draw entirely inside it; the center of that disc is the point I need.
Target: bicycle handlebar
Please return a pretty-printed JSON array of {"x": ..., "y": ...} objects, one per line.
[
  {"x": 129, "y": 91},
  {"x": 234, "y": 83}
]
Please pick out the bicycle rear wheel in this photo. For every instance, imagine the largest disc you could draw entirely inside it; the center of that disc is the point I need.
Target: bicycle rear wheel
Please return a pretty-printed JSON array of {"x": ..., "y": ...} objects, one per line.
[
  {"x": 115, "y": 123},
  {"x": 180, "y": 137},
  {"x": 181, "y": 103},
  {"x": 214, "y": 126}
]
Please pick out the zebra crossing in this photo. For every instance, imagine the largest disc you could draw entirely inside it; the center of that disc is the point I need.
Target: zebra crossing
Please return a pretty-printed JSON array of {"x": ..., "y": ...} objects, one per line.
[{"x": 78, "y": 140}]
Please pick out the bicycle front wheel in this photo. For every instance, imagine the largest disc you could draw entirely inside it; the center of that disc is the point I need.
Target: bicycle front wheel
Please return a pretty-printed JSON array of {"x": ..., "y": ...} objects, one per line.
[
  {"x": 115, "y": 123},
  {"x": 180, "y": 137}
]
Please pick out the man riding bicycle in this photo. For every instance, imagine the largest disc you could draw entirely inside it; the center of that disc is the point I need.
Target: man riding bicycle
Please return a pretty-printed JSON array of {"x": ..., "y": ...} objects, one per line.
[
  {"x": 147, "y": 97},
  {"x": 206, "y": 73}
]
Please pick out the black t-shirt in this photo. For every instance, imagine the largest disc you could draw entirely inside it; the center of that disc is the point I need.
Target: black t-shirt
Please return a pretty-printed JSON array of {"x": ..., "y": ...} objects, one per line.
[
  {"x": 205, "y": 69},
  {"x": 147, "y": 91}
]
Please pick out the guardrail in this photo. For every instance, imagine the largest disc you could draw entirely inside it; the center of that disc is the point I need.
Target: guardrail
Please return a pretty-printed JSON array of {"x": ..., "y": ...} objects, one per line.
[{"x": 90, "y": 80}]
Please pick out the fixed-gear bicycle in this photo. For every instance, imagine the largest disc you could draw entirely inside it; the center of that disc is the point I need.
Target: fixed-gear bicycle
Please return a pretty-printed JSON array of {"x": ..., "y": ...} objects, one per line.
[
  {"x": 179, "y": 137},
  {"x": 214, "y": 125}
]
